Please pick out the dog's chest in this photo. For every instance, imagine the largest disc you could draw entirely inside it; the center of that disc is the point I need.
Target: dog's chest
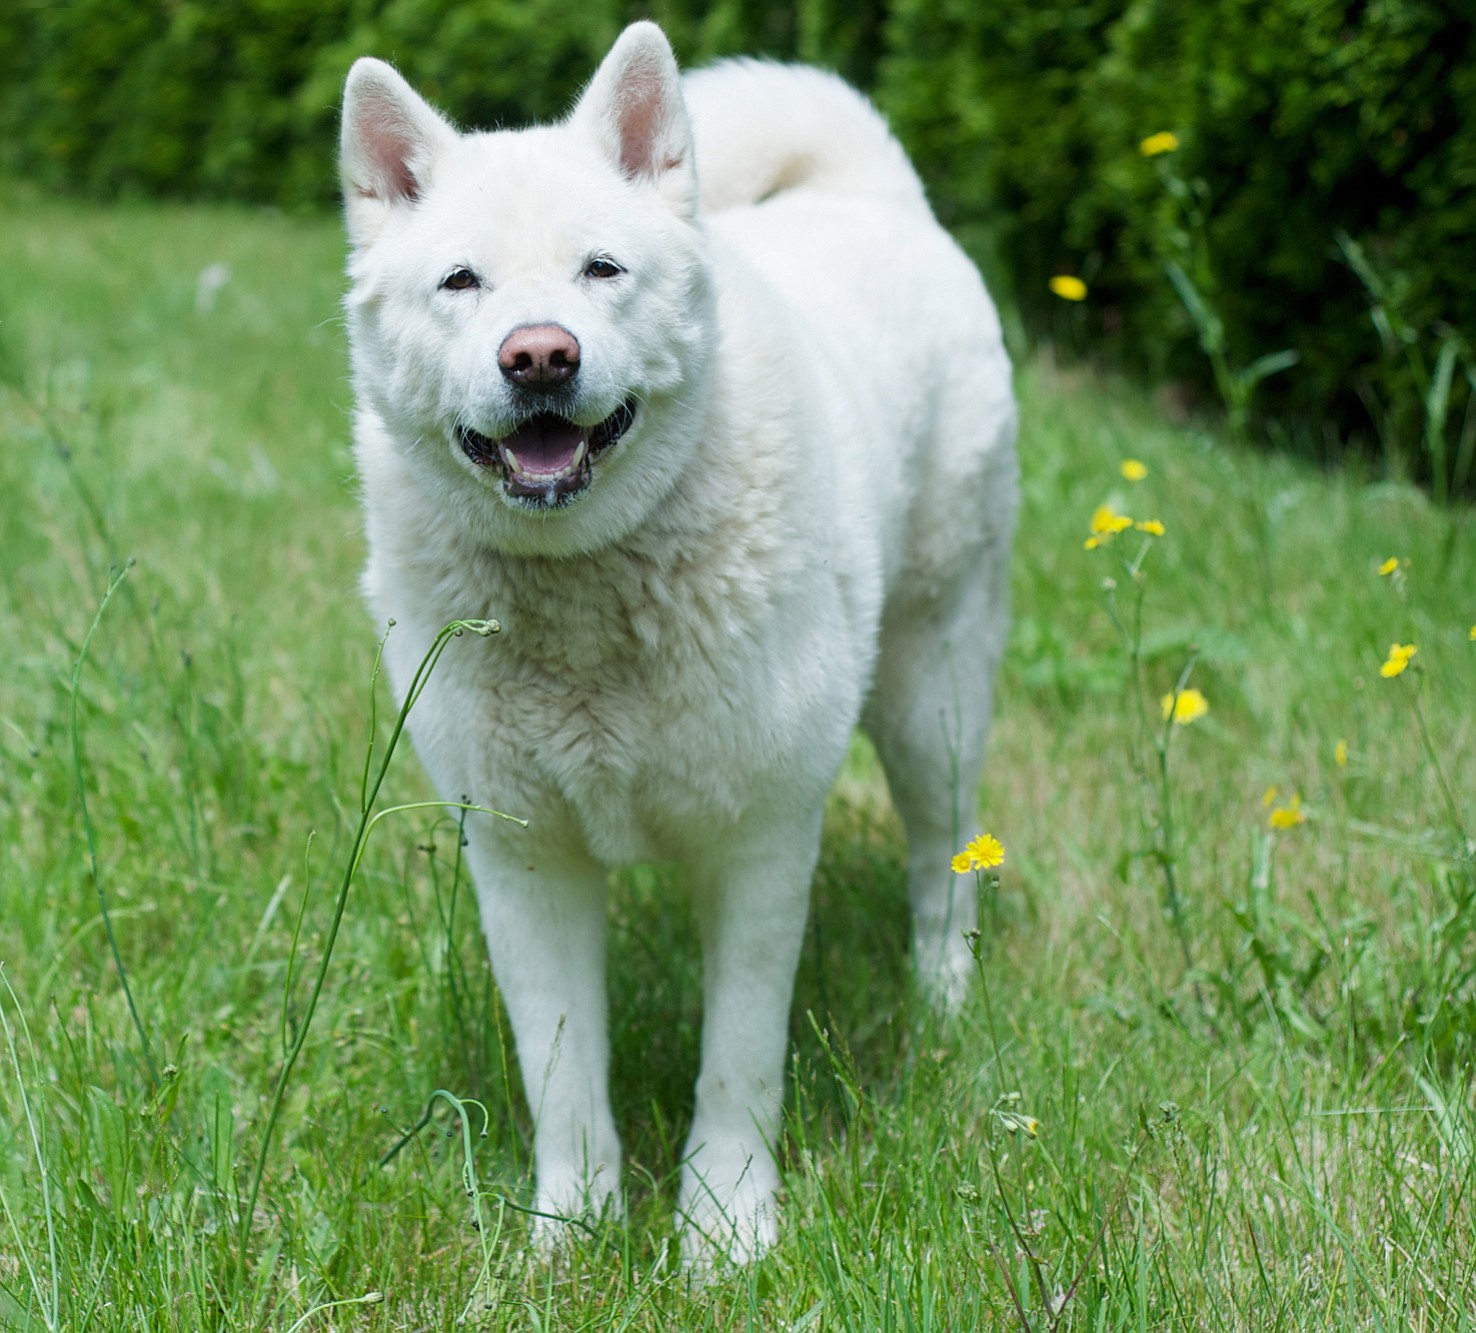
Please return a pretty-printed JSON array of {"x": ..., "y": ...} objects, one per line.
[{"x": 628, "y": 694}]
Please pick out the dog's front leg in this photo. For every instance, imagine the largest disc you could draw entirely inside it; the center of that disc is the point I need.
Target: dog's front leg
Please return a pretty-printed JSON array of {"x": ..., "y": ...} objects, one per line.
[
  {"x": 544, "y": 918},
  {"x": 753, "y": 894}
]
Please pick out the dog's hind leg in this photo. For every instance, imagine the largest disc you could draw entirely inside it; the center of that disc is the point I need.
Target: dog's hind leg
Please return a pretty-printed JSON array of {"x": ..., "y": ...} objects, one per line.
[{"x": 928, "y": 717}]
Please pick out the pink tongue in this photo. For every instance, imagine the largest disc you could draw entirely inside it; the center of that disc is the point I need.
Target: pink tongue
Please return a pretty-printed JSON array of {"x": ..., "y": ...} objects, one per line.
[{"x": 545, "y": 443}]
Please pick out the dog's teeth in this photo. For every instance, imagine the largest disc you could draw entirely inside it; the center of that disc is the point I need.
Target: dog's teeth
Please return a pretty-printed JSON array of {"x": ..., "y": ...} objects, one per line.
[
  {"x": 512, "y": 460},
  {"x": 579, "y": 453}
]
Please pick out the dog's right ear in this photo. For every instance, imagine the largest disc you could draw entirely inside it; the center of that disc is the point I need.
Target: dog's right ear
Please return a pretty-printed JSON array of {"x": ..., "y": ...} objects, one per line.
[{"x": 388, "y": 145}]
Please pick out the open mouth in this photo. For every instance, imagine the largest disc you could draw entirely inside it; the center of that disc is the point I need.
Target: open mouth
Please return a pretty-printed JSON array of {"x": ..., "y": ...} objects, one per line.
[{"x": 547, "y": 459}]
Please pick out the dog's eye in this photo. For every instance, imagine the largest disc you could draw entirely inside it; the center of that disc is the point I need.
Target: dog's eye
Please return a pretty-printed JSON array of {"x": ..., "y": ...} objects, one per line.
[
  {"x": 602, "y": 266},
  {"x": 460, "y": 280}
]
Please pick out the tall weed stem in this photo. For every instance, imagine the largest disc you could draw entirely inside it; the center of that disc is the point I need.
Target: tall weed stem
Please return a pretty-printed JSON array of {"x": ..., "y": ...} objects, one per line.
[
  {"x": 371, "y": 781},
  {"x": 1190, "y": 270},
  {"x": 475, "y": 1193},
  {"x": 102, "y": 898}
]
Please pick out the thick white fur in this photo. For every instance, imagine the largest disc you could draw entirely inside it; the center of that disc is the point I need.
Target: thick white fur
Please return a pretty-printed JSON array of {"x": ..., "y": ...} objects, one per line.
[{"x": 806, "y": 528}]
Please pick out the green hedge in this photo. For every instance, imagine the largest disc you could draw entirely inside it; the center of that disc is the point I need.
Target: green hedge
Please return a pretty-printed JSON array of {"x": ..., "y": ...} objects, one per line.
[
  {"x": 1300, "y": 121},
  {"x": 191, "y": 98},
  {"x": 200, "y": 99}
]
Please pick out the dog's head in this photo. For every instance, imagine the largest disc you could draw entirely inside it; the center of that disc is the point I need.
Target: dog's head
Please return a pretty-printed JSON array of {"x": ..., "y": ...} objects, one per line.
[{"x": 529, "y": 310}]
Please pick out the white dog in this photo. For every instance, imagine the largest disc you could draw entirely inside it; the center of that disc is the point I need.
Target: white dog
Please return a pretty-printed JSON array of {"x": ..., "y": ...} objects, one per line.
[{"x": 734, "y": 477}]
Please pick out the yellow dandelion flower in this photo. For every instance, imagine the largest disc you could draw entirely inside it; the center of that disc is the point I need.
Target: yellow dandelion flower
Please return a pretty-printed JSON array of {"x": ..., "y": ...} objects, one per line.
[
  {"x": 1151, "y": 526},
  {"x": 1092, "y": 543},
  {"x": 1270, "y": 794},
  {"x": 1398, "y": 659},
  {"x": 1473, "y": 633},
  {"x": 1068, "y": 288},
  {"x": 1389, "y": 566},
  {"x": 1188, "y": 706},
  {"x": 1340, "y": 753},
  {"x": 1289, "y": 815},
  {"x": 1165, "y": 141},
  {"x": 1106, "y": 522},
  {"x": 1132, "y": 469},
  {"x": 982, "y": 853},
  {"x": 987, "y": 851}
]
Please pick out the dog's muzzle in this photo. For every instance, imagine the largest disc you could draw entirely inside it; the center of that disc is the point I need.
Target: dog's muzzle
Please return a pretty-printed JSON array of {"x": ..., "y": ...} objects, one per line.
[{"x": 548, "y": 459}]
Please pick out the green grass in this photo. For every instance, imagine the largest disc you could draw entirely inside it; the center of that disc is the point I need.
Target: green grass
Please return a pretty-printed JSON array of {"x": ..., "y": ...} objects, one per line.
[{"x": 1281, "y": 1137}]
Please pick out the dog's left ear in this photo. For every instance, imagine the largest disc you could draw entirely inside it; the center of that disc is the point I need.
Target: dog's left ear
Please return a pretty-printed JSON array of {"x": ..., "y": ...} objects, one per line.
[{"x": 633, "y": 106}]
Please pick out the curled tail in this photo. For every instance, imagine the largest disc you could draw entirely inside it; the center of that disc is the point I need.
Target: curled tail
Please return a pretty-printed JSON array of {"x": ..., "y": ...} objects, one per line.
[{"x": 762, "y": 128}]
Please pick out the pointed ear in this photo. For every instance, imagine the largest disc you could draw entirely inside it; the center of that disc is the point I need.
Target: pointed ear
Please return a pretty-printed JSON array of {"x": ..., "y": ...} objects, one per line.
[
  {"x": 388, "y": 145},
  {"x": 633, "y": 107}
]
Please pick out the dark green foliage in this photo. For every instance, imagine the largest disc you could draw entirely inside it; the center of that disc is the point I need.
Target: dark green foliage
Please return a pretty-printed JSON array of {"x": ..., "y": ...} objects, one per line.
[
  {"x": 180, "y": 98},
  {"x": 1298, "y": 119},
  {"x": 1328, "y": 153},
  {"x": 989, "y": 99},
  {"x": 201, "y": 99},
  {"x": 196, "y": 99},
  {"x": 1307, "y": 118}
]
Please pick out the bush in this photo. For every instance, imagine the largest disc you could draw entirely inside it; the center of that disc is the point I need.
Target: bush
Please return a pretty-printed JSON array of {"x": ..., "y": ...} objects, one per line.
[
  {"x": 195, "y": 99},
  {"x": 1300, "y": 121},
  {"x": 187, "y": 98}
]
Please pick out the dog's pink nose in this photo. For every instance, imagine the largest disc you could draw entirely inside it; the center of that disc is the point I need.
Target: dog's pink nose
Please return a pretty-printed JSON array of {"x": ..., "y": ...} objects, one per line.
[{"x": 539, "y": 356}]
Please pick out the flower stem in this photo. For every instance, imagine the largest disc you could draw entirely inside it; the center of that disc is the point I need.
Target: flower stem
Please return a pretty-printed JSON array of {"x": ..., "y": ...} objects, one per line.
[
  {"x": 1452, "y": 809},
  {"x": 1164, "y": 851}
]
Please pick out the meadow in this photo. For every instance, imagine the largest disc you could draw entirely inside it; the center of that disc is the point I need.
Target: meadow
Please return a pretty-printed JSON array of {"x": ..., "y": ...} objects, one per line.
[{"x": 1216, "y": 1072}]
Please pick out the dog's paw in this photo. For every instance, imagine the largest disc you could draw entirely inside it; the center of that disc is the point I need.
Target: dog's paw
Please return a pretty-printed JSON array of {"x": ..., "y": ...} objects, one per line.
[
  {"x": 728, "y": 1212},
  {"x": 945, "y": 972},
  {"x": 569, "y": 1211}
]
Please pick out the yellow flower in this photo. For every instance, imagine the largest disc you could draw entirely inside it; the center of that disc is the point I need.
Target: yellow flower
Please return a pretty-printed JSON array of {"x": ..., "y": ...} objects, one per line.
[
  {"x": 983, "y": 853},
  {"x": 1270, "y": 794},
  {"x": 1187, "y": 707},
  {"x": 1389, "y": 566},
  {"x": 1398, "y": 659},
  {"x": 1132, "y": 469},
  {"x": 1340, "y": 753},
  {"x": 987, "y": 850},
  {"x": 1473, "y": 633},
  {"x": 1165, "y": 141},
  {"x": 1289, "y": 815},
  {"x": 1069, "y": 288},
  {"x": 1107, "y": 523}
]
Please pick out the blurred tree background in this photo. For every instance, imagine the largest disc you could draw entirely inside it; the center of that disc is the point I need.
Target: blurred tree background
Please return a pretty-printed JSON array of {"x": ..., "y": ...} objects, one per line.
[{"x": 1321, "y": 199}]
